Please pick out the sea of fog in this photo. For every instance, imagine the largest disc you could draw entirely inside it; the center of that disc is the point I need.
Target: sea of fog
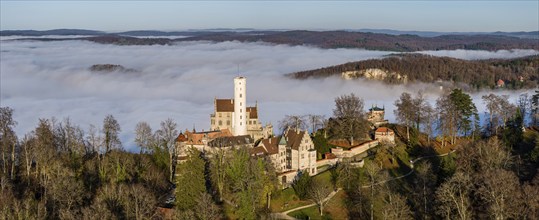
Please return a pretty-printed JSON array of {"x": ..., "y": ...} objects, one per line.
[{"x": 51, "y": 79}]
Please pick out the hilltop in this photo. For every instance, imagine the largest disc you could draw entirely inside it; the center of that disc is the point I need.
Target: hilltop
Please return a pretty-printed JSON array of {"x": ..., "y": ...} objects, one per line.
[{"x": 397, "y": 69}]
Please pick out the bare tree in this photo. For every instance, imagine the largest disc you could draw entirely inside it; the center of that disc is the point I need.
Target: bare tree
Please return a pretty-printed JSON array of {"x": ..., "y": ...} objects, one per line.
[
  {"x": 500, "y": 189},
  {"x": 349, "y": 118},
  {"x": 8, "y": 140},
  {"x": 395, "y": 207},
  {"x": 317, "y": 192},
  {"x": 524, "y": 105},
  {"x": 139, "y": 202},
  {"x": 529, "y": 201},
  {"x": 206, "y": 208},
  {"x": 94, "y": 140},
  {"x": 374, "y": 173},
  {"x": 428, "y": 123},
  {"x": 405, "y": 111},
  {"x": 167, "y": 137},
  {"x": 453, "y": 197},
  {"x": 447, "y": 117},
  {"x": 534, "y": 109},
  {"x": 492, "y": 104},
  {"x": 424, "y": 187},
  {"x": 143, "y": 136},
  {"x": 295, "y": 122},
  {"x": 420, "y": 106},
  {"x": 69, "y": 137},
  {"x": 111, "y": 130},
  {"x": 28, "y": 152},
  {"x": 316, "y": 121}
]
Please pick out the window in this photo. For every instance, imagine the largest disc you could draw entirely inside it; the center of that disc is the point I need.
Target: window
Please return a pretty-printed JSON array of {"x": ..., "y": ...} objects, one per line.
[
  {"x": 240, "y": 103},
  {"x": 241, "y": 110},
  {"x": 240, "y": 123},
  {"x": 220, "y": 122},
  {"x": 302, "y": 156},
  {"x": 240, "y": 117},
  {"x": 240, "y": 95},
  {"x": 227, "y": 122},
  {"x": 212, "y": 122},
  {"x": 312, "y": 170},
  {"x": 219, "y": 114}
]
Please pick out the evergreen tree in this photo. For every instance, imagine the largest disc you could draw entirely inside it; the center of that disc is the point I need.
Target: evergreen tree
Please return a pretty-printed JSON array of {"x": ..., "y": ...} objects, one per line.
[{"x": 191, "y": 182}]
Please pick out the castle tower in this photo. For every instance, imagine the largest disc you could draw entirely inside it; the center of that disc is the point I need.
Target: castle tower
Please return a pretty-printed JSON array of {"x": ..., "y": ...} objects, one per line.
[{"x": 240, "y": 109}]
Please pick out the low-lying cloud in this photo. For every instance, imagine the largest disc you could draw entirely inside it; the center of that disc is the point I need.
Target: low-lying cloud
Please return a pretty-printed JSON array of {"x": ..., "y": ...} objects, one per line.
[
  {"x": 481, "y": 54},
  {"x": 51, "y": 79}
]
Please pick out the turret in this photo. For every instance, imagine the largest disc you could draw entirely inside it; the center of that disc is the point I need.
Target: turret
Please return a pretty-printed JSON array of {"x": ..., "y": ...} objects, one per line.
[{"x": 240, "y": 109}]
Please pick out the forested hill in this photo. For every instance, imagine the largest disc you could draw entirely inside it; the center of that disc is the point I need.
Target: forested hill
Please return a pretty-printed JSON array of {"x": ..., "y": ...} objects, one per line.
[
  {"x": 322, "y": 39},
  {"x": 375, "y": 41},
  {"x": 516, "y": 73}
]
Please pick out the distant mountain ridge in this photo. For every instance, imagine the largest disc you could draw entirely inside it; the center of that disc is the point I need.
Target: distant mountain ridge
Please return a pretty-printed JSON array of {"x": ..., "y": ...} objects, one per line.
[
  {"x": 520, "y": 34},
  {"x": 322, "y": 39},
  {"x": 50, "y": 32}
]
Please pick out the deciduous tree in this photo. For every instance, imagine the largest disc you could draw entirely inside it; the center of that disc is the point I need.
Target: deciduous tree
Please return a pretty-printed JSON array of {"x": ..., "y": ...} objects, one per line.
[
  {"x": 349, "y": 118},
  {"x": 317, "y": 192},
  {"x": 111, "y": 131}
]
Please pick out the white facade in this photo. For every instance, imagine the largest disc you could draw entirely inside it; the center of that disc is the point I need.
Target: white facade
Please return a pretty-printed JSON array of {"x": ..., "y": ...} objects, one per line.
[{"x": 239, "y": 119}]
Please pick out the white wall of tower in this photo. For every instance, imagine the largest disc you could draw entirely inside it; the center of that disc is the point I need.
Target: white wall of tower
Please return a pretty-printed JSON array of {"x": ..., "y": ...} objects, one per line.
[{"x": 240, "y": 106}]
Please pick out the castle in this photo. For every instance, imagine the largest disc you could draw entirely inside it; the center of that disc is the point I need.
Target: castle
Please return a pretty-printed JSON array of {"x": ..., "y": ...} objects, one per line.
[{"x": 234, "y": 115}]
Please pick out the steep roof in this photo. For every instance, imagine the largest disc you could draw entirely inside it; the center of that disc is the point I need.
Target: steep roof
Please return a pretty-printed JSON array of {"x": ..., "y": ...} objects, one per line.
[
  {"x": 227, "y": 105},
  {"x": 253, "y": 112},
  {"x": 271, "y": 145},
  {"x": 256, "y": 151},
  {"x": 294, "y": 138},
  {"x": 224, "y": 105}
]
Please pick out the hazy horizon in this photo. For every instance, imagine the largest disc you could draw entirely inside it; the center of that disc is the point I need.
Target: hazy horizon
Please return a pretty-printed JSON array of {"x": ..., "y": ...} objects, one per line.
[{"x": 440, "y": 16}]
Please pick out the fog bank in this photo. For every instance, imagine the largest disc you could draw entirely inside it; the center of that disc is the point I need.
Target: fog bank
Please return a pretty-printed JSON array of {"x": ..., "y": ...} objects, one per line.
[{"x": 46, "y": 79}]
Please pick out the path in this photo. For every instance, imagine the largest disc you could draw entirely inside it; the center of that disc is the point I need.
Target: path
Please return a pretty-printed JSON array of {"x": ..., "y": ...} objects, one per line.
[{"x": 284, "y": 215}]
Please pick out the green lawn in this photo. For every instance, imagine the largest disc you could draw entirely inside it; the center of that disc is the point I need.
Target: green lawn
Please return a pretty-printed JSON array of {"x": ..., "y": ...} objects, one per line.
[
  {"x": 308, "y": 213},
  {"x": 286, "y": 200},
  {"x": 334, "y": 209}
]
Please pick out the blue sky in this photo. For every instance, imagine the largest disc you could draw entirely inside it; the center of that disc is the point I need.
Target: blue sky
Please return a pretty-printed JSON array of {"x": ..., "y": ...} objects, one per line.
[{"x": 181, "y": 15}]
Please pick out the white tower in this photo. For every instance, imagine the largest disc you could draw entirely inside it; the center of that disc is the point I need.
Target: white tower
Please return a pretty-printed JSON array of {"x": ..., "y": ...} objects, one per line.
[{"x": 240, "y": 119}]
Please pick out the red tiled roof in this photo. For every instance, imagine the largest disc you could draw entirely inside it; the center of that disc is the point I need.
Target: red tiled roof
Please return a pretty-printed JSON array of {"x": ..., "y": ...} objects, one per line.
[
  {"x": 383, "y": 129},
  {"x": 196, "y": 137},
  {"x": 224, "y": 105},
  {"x": 329, "y": 156},
  {"x": 253, "y": 112},
  {"x": 294, "y": 138},
  {"x": 271, "y": 145},
  {"x": 258, "y": 150},
  {"x": 227, "y": 105}
]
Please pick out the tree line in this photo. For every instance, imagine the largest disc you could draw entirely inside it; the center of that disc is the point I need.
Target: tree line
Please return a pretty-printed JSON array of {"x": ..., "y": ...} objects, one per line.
[
  {"x": 60, "y": 170},
  {"x": 470, "y": 75}
]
